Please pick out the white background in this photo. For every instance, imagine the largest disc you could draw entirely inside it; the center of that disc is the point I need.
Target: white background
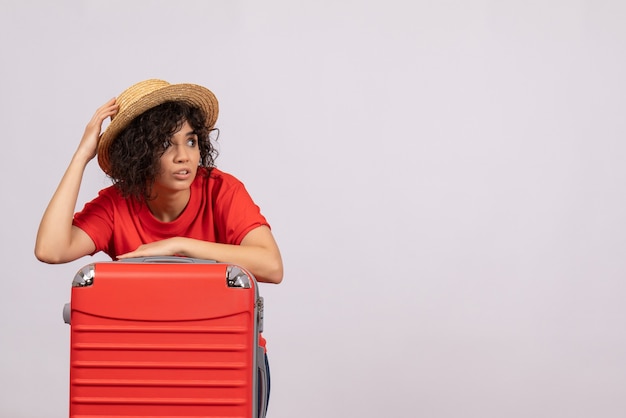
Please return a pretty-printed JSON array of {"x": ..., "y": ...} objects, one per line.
[{"x": 446, "y": 181}]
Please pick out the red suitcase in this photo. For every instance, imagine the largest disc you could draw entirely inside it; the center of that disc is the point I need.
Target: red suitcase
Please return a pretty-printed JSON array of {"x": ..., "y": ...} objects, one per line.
[{"x": 166, "y": 337}]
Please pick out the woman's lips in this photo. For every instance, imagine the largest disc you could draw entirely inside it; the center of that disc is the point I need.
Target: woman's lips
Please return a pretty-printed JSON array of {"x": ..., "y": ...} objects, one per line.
[{"x": 182, "y": 174}]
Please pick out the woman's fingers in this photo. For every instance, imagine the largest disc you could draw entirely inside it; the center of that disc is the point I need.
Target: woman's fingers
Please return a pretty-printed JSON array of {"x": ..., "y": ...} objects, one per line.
[
  {"x": 89, "y": 142},
  {"x": 108, "y": 109}
]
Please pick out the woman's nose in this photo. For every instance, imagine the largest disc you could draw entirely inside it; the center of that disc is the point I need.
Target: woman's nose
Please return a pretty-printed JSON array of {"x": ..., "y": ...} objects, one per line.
[{"x": 182, "y": 154}]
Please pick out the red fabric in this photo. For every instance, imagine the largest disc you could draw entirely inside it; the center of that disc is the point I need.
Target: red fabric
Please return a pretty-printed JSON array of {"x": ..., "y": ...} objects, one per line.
[{"x": 219, "y": 210}]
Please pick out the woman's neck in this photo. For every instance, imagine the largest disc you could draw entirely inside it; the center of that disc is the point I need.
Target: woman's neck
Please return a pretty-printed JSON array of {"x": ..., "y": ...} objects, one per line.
[{"x": 166, "y": 207}]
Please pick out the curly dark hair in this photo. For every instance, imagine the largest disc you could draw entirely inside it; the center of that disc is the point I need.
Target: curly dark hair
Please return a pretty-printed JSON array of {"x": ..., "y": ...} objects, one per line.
[{"x": 136, "y": 152}]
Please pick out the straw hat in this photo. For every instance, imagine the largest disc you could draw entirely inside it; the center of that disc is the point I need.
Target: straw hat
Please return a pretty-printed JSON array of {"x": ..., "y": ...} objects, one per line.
[{"x": 148, "y": 94}]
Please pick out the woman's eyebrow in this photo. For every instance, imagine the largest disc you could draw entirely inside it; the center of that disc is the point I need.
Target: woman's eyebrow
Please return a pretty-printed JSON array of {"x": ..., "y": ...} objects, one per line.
[{"x": 191, "y": 133}]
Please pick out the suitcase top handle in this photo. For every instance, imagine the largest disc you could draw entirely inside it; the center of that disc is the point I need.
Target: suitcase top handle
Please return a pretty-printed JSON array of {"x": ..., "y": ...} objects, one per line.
[{"x": 165, "y": 259}]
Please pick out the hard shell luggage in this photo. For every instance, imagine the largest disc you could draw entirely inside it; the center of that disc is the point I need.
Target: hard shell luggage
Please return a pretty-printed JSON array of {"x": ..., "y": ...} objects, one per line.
[{"x": 165, "y": 337}]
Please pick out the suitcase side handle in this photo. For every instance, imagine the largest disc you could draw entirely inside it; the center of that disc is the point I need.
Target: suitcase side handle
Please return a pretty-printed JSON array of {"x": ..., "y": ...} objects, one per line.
[
  {"x": 170, "y": 259},
  {"x": 263, "y": 380}
]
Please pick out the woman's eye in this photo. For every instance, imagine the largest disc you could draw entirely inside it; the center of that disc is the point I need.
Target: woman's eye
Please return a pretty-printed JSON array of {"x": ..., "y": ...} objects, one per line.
[
  {"x": 192, "y": 142},
  {"x": 166, "y": 144}
]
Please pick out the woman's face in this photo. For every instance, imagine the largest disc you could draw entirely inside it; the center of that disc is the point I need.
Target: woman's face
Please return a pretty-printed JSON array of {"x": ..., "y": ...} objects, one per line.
[{"x": 179, "y": 162}]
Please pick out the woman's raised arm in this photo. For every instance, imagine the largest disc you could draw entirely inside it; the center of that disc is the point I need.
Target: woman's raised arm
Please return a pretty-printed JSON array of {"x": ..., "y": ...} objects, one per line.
[{"x": 58, "y": 241}]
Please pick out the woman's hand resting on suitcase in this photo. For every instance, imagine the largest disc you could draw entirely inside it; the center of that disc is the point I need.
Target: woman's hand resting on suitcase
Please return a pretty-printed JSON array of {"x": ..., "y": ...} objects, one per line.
[
  {"x": 257, "y": 252},
  {"x": 166, "y": 247}
]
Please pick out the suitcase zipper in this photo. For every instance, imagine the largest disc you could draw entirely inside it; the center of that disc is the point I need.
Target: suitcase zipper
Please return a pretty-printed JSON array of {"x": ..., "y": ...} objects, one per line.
[{"x": 259, "y": 307}]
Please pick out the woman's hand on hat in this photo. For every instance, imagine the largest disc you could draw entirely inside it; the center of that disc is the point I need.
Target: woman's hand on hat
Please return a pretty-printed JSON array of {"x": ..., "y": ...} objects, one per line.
[{"x": 89, "y": 143}]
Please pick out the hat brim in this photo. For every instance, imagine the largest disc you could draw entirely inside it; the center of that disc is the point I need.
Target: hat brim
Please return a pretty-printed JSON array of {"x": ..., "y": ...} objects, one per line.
[{"x": 192, "y": 94}]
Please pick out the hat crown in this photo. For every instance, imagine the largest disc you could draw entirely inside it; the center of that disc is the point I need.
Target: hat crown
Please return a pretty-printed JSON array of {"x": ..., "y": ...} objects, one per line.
[{"x": 137, "y": 91}]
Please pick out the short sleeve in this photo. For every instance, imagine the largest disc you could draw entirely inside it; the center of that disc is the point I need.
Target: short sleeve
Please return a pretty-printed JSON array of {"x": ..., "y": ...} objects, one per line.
[
  {"x": 96, "y": 220},
  {"x": 235, "y": 212}
]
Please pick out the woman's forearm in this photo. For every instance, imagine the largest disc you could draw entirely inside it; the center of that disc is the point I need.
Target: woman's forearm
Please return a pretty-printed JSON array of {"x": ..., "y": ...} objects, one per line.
[
  {"x": 54, "y": 237},
  {"x": 258, "y": 253},
  {"x": 264, "y": 263}
]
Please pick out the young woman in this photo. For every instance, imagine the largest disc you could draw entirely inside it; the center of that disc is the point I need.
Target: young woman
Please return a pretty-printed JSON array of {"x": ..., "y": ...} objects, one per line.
[{"x": 167, "y": 196}]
